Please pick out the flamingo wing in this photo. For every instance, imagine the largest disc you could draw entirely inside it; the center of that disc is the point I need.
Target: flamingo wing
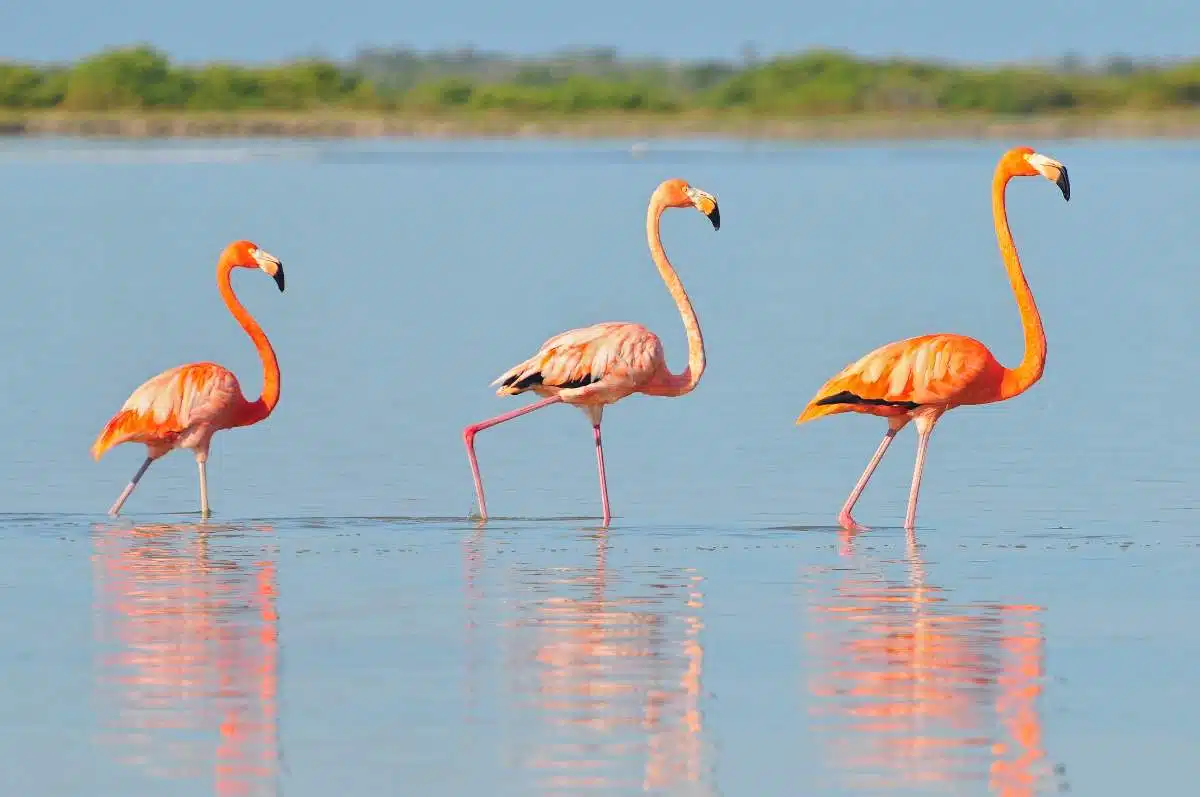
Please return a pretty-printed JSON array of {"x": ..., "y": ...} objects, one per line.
[
  {"x": 166, "y": 406},
  {"x": 900, "y": 377},
  {"x": 581, "y": 357}
]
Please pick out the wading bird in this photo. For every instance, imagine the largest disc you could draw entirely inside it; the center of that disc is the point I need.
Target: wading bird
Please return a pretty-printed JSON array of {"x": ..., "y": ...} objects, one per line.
[
  {"x": 595, "y": 366},
  {"x": 185, "y": 406},
  {"x": 919, "y": 379}
]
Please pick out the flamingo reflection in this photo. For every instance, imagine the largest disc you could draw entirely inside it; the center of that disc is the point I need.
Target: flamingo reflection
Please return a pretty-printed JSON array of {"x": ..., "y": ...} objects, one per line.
[
  {"x": 917, "y": 693},
  {"x": 187, "y": 626},
  {"x": 609, "y": 668}
]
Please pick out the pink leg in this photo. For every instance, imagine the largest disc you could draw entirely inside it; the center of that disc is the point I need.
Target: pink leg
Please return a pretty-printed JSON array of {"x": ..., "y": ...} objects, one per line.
[
  {"x": 924, "y": 430},
  {"x": 603, "y": 478},
  {"x": 469, "y": 438},
  {"x": 844, "y": 518},
  {"x": 120, "y": 502}
]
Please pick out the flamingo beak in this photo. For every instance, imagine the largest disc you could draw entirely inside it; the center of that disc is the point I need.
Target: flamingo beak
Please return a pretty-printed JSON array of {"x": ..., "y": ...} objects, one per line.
[
  {"x": 714, "y": 216},
  {"x": 1053, "y": 171},
  {"x": 706, "y": 203},
  {"x": 270, "y": 265}
]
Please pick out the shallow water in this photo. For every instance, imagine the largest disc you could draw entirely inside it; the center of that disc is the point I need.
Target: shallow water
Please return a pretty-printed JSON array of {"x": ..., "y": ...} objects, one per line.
[{"x": 342, "y": 624}]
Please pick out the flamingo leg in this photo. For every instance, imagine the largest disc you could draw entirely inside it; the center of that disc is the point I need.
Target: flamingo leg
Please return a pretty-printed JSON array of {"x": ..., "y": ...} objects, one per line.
[
  {"x": 201, "y": 463},
  {"x": 116, "y": 507},
  {"x": 469, "y": 439},
  {"x": 603, "y": 477},
  {"x": 924, "y": 430},
  {"x": 845, "y": 520}
]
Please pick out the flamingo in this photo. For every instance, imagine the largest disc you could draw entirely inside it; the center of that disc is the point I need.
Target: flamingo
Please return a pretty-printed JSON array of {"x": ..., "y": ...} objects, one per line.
[
  {"x": 595, "y": 366},
  {"x": 184, "y": 406},
  {"x": 919, "y": 379}
]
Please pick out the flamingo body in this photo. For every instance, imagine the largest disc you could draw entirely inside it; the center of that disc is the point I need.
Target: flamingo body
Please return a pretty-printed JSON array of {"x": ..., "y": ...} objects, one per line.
[
  {"x": 897, "y": 379},
  {"x": 590, "y": 367},
  {"x": 920, "y": 378},
  {"x": 180, "y": 408},
  {"x": 595, "y": 366}
]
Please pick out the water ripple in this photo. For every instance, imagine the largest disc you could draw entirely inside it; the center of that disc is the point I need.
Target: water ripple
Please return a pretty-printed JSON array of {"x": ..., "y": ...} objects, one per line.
[{"x": 187, "y": 652}]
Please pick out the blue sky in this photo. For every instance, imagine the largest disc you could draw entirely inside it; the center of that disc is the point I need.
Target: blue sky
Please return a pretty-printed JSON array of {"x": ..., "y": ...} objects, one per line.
[{"x": 258, "y": 30}]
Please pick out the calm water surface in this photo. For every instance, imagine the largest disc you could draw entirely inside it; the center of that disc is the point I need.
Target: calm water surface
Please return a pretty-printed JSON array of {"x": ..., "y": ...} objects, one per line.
[{"x": 342, "y": 625}]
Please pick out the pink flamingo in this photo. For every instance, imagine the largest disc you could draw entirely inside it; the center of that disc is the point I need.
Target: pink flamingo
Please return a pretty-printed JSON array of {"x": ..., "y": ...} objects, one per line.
[{"x": 595, "y": 366}]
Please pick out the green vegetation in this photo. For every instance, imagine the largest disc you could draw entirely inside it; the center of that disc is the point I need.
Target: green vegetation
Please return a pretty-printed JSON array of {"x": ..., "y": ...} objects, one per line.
[{"x": 814, "y": 84}]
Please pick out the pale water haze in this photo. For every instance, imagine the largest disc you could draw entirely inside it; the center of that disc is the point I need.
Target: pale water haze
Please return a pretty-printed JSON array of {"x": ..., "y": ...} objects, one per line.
[{"x": 341, "y": 623}]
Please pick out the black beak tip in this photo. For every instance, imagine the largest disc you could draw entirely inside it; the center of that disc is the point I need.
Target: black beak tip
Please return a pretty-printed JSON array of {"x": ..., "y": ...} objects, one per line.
[
  {"x": 1064, "y": 185},
  {"x": 715, "y": 218},
  {"x": 279, "y": 278}
]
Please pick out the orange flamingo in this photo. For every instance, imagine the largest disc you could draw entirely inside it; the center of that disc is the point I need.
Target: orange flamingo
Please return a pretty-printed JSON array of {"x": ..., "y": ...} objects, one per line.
[
  {"x": 185, "y": 406},
  {"x": 595, "y": 366},
  {"x": 919, "y": 379}
]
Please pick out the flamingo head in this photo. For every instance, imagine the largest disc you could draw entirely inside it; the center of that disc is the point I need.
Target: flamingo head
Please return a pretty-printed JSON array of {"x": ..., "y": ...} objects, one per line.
[
  {"x": 1025, "y": 162},
  {"x": 678, "y": 194},
  {"x": 247, "y": 254}
]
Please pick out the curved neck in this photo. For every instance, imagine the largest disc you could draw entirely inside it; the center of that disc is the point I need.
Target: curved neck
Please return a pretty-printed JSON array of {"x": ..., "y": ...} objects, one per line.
[
  {"x": 675, "y": 384},
  {"x": 1017, "y": 380},
  {"x": 259, "y": 409}
]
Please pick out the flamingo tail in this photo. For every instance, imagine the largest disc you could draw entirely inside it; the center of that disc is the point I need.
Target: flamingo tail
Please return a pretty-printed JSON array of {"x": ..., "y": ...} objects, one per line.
[
  {"x": 528, "y": 376},
  {"x": 815, "y": 410},
  {"x": 121, "y": 428},
  {"x": 831, "y": 401}
]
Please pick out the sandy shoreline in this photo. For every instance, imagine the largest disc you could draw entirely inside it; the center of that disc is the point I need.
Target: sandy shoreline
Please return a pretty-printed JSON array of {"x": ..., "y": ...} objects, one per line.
[{"x": 1175, "y": 125}]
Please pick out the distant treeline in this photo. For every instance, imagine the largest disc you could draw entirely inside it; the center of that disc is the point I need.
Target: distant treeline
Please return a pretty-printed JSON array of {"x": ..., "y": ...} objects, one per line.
[{"x": 814, "y": 83}]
